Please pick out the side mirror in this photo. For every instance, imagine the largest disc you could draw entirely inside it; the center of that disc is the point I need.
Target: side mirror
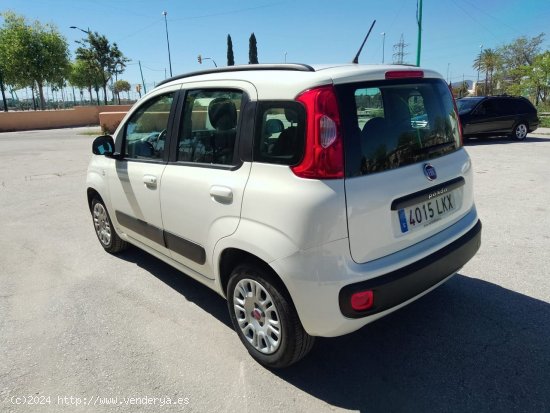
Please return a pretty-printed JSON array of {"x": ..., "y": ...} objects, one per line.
[{"x": 103, "y": 145}]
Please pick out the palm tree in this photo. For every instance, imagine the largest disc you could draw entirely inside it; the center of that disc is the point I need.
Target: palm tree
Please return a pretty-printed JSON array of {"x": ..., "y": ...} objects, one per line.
[{"x": 488, "y": 61}]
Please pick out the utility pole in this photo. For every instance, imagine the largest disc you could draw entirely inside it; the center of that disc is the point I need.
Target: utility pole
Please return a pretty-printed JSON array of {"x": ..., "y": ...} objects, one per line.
[
  {"x": 168, "y": 43},
  {"x": 419, "y": 21},
  {"x": 142, "y": 81}
]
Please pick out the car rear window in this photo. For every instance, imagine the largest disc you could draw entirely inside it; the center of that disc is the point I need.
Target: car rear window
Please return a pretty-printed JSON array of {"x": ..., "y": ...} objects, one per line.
[{"x": 396, "y": 123}]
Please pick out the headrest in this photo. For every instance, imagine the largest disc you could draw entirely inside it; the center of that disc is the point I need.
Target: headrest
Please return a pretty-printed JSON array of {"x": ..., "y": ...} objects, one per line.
[
  {"x": 291, "y": 115},
  {"x": 222, "y": 113},
  {"x": 374, "y": 126},
  {"x": 274, "y": 126}
]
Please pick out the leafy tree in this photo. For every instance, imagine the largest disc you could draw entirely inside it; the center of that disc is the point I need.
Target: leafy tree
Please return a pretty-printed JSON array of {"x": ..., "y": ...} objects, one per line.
[
  {"x": 106, "y": 58},
  {"x": 534, "y": 79},
  {"x": 521, "y": 52},
  {"x": 252, "y": 50},
  {"x": 121, "y": 86},
  {"x": 32, "y": 54},
  {"x": 84, "y": 76},
  {"x": 488, "y": 61},
  {"x": 230, "y": 57}
]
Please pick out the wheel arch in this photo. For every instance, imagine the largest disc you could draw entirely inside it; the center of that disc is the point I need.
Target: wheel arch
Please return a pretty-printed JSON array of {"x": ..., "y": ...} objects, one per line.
[
  {"x": 231, "y": 257},
  {"x": 91, "y": 194}
]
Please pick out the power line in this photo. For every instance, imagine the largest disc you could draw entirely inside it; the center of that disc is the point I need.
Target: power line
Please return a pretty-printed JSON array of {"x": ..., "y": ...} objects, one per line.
[
  {"x": 474, "y": 19},
  {"x": 494, "y": 17},
  {"x": 228, "y": 12}
]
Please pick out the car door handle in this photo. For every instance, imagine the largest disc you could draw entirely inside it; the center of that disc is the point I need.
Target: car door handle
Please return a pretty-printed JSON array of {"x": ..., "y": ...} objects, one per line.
[
  {"x": 221, "y": 194},
  {"x": 150, "y": 180}
]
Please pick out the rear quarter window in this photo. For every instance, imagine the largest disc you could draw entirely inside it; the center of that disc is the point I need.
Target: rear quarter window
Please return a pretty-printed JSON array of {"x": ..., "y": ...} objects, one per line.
[
  {"x": 524, "y": 106},
  {"x": 280, "y": 132},
  {"x": 391, "y": 124}
]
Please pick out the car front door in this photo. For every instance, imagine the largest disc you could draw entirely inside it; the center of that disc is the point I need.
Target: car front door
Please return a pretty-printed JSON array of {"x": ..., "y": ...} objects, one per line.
[
  {"x": 483, "y": 119},
  {"x": 203, "y": 184},
  {"x": 135, "y": 182}
]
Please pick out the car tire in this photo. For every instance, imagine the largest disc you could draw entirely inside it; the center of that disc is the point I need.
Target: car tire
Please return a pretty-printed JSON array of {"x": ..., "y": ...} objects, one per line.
[
  {"x": 520, "y": 131},
  {"x": 265, "y": 318},
  {"x": 106, "y": 234}
]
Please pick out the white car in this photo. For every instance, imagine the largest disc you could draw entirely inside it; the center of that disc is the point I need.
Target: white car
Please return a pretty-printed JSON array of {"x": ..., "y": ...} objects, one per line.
[{"x": 270, "y": 185}]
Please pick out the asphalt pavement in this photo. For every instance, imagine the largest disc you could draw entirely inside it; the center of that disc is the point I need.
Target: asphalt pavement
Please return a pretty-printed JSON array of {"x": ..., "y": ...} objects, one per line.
[{"x": 82, "y": 330}]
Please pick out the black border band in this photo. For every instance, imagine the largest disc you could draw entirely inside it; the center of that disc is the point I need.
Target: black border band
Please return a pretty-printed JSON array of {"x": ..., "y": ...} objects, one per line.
[{"x": 401, "y": 285}]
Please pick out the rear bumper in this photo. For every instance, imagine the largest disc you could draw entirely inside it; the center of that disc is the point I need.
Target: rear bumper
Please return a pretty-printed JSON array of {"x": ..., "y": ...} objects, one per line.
[
  {"x": 401, "y": 285},
  {"x": 320, "y": 279}
]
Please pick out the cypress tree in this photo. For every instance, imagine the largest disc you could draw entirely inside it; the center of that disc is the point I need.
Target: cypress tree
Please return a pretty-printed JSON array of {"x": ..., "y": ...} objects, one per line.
[
  {"x": 252, "y": 50},
  {"x": 230, "y": 57}
]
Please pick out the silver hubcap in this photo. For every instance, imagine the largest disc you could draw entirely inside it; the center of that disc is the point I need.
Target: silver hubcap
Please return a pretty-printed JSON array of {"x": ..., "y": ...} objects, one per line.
[
  {"x": 521, "y": 131},
  {"x": 101, "y": 224},
  {"x": 257, "y": 316}
]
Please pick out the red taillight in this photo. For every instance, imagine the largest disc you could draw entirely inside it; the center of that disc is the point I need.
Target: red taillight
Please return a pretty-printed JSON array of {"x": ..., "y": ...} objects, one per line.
[
  {"x": 324, "y": 149},
  {"x": 362, "y": 301},
  {"x": 403, "y": 74}
]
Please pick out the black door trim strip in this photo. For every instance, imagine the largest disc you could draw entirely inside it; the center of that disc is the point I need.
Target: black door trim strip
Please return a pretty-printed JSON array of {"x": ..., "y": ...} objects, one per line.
[
  {"x": 186, "y": 248},
  {"x": 141, "y": 227},
  {"x": 179, "y": 245}
]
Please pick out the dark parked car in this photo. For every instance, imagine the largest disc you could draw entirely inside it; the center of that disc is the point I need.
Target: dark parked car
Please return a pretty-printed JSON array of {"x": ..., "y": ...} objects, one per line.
[{"x": 496, "y": 116}]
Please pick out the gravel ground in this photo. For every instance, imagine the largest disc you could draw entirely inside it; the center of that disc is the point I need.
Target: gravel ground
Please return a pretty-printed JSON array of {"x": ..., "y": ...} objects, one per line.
[{"x": 79, "y": 326}]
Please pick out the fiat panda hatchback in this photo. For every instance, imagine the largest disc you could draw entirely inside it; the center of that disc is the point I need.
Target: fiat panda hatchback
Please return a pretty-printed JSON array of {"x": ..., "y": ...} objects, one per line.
[{"x": 314, "y": 199}]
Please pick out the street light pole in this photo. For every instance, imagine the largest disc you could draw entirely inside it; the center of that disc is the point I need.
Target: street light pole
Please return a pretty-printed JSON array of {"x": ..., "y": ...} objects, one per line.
[
  {"x": 164, "y": 13},
  {"x": 479, "y": 64},
  {"x": 82, "y": 30},
  {"x": 209, "y": 58},
  {"x": 285, "y": 56},
  {"x": 383, "y": 45}
]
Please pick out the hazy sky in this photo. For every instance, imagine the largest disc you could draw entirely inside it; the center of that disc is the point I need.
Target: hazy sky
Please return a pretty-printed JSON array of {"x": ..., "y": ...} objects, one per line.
[{"x": 307, "y": 31}]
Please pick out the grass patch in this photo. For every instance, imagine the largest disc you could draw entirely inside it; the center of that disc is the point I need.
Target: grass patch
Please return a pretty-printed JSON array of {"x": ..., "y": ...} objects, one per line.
[
  {"x": 544, "y": 122},
  {"x": 92, "y": 132}
]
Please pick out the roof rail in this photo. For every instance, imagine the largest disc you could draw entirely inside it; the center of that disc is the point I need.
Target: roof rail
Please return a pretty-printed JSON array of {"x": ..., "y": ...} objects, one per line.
[{"x": 298, "y": 67}]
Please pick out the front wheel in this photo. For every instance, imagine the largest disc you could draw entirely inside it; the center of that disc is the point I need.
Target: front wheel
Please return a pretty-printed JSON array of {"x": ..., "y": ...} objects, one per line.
[
  {"x": 520, "y": 131},
  {"x": 265, "y": 319},
  {"x": 107, "y": 236}
]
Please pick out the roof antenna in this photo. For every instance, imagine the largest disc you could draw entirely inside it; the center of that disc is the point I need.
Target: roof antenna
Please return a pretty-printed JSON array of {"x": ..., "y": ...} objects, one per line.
[{"x": 356, "y": 60}]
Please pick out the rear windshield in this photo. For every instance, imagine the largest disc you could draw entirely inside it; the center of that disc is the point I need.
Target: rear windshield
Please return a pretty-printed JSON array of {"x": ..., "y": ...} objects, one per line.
[{"x": 396, "y": 123}]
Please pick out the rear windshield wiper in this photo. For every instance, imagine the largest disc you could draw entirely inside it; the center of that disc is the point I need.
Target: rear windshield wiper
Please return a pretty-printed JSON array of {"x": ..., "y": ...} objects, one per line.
[{"x": 435, "y": 148}]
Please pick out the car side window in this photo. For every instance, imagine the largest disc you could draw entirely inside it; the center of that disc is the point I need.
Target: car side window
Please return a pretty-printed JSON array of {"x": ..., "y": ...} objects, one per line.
[
  {"x": 145, "y": 132},
  {"x": 280, "y": 133},
  {"x": 209, "y": 127},
  {"x": 487, "y": 108}
]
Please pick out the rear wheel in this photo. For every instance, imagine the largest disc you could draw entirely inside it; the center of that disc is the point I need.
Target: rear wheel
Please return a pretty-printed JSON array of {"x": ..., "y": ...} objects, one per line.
[
  {"x": 520, "y": 131},
  {"x": 264, "y": 317},
  {"x": 107, "y": 236}
]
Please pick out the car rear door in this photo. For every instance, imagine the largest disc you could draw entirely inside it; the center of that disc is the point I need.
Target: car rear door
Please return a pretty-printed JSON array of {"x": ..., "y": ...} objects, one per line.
[
  {"x": 203, "y": 184},
  {"x": 406, "y": 180}
]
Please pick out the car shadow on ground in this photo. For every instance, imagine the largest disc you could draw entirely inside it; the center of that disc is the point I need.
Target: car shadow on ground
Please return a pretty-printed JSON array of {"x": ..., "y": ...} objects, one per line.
[
  {"x": 191, "y": 289},
  {"x": 499, "y": 140},
  {"x": 468, "y": 346}
]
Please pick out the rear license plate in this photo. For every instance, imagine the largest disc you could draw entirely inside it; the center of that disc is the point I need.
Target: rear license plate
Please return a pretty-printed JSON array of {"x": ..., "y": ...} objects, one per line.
[{"x": 426, "y": 213}]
